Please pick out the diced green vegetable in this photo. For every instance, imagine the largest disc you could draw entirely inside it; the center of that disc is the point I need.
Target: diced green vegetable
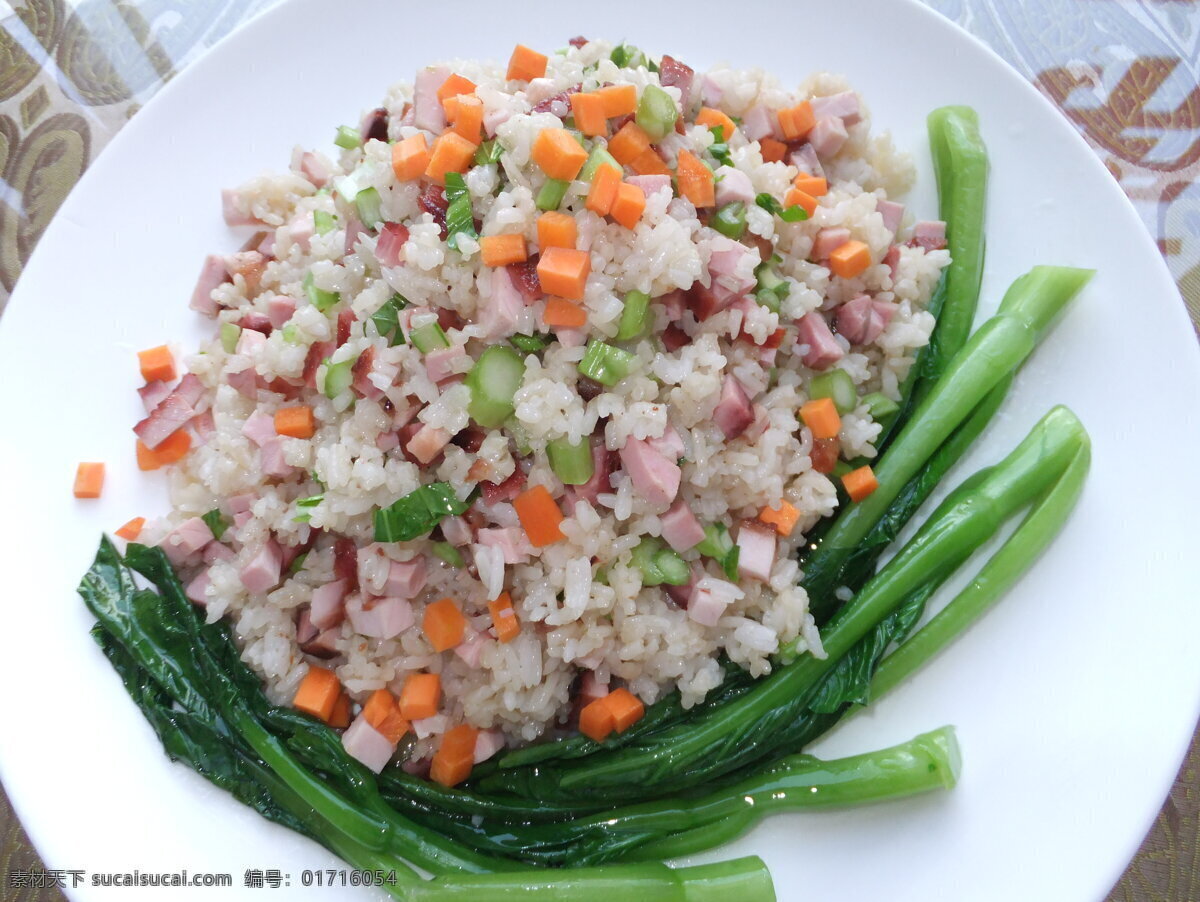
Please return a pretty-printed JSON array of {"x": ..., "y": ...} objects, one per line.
[
  {"x": 370, "y": 207},
  {"x": 659, "y": 565},
  {"x": 216, "y": 523},
  {"x": 448, "y": 553},
  {"x": 656, "y": 113},
  {"x": 730, "y": 220},
  {"x": 719, "y": 546},
  {"x": 626, "y": 56},
  {"x": 324, "y": 222},
  {"x": 493, "y": 381},
  {"x": 291, "y": 334},
  {"x": 794, "y": 213},
  {"x": 297, "y": 563},
  {"x": 305, "y": 504},
  {"x": 230, "y": 333},
  {"x": 417, "y": 513},
  {"x": 597, "y": 158},
  {"x": 635, "y": 317},
  {"x": 880, "y": 405},
  {"x": 606, "y": 364},
  {"x": 530, "y": 343},
  {"x": 771, "y": 288},
  {"x": 429, "y": 337},
  {"x": 720, "y": 148},
  {"x": 387, "y": 320},
  {"x": 571, "y": 461},
  {"x": 347, "y": 137},
  {"x": 488, "y": 152},
  {"x": 551, "y": 194},
  {"x": 338, "y": 377},
  {"x": 838, "y": 385},
  {"x": 460, "y": 218},
  {"x": 320, "y": 298}
]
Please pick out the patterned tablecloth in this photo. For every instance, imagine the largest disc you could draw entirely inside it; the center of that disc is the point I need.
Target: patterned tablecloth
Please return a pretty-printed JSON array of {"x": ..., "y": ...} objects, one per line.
[{"x": 1124, "y": 72}]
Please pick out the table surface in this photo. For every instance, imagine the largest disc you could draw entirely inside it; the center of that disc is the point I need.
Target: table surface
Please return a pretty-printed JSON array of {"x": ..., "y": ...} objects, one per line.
[{"x": 1124, "y": 72}]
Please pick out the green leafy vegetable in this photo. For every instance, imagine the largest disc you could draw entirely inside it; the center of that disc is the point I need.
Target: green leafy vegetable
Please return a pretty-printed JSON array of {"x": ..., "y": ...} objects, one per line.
[
  {"x": 324, "y": 222},
  {"x": 216, "y": 523},
  {"x": 320, "y": 298},
  {"x": 530, "y": 343},
  {"x": 794, "y": 213},
  {"x": 488, "y": 152},
  {"x": 719, "y": 546},
  {"x": 460, "y": 219},
  {"x": 448, "y": 553},
  {"x": 720, "y": 148},
  {"x": 387, "y": 320},
  {"x": 417, "y": 513},
  {"x": 551, "y": 194}
]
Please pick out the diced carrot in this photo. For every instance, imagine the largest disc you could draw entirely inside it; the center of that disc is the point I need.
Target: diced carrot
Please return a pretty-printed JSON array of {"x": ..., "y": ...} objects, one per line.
[
  {"x": 453, "y": 86},
  {"x": 556, "y": 229},
  {"x": 420, "y": 696},
  {"x": 696, "y": 181},
  {"x": 296, "y": 422},
  {"x": 604, "y": 190},
  {"x": 131, "y": 530},
  {"x": 444, "y": 625},
  {"x": 564, "y": 314},
  {"x": 468, "y": 117},
  {"x": 716, "y": 119},
  {"x": 797, "y": 198},
  {"x": 625, "y": 707},
  {"x": 860, "y": 483},
  {"x": 821, "y": 417},
  {"x": 410, "y": 156},
  {"x": 451, "y": 153},
  {"x": 455, "y": 757},
  {"x": 383, "y": 713},
  {"x": 629, "y": 143},
  {"x": 588, "y": 110},
  {"x": 797, "y": 121},
  {"x": 772, "y": 151},
  {"x": 89, "y": 480},
  {"x": 812, "y": 184},
  {"x": 850, "y": 259},
  {"x": 318, "y": 693},
  {"x": 504, "y": 618},
  {"x": 596, "y": 720},
  {"x": 558, "y": 154},
  {"x": 157, "y": 364},
  {"x": 526, "y": 64},
  {"x": 648, "y": 162},
  {"x": 340, "y": 717},
  {"x": 629, "y": 204},
  {"x": 784, "y": 518},
  {"x": 171, "y": 449},
  {"x": 501, "y": 250},
  {"x": 563, "y": 271},
  {"x": 539, "y": 516},
  {"x": 619, "y": 100}
]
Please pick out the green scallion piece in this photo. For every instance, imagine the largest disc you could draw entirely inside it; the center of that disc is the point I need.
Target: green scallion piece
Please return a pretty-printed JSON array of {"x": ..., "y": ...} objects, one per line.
[
  {"x": 298, "y": 564},
  {"x": 626, "y": 56},
  {"x": 659, "y": 565},
  {"x": 838, "y": 385},
  {"x": 635, "y": 317},
  {"x": 794, "y": 213},
  {"x": 771, "y": 288},
  {"x": 230, "y": 333},
  {"x": 530, "y": 343},
  {"x": 429, "y": 337},
  {"x": 324, "y": 222},
  {"x": 347, "y": 137},
  {"x": 571, "y": 461},
  {"x": 551, "y": 194},
  {"x": 448, "y": 553},
  {"x": 597, "y": 158},
  {"x": 387, "y": 320},
  {"x": 338, "y": 378},
  {"x": 880, "y": 405},
  {"x": 656, "y": 113},
  {"x": 493, "y": 381},
  {"x": 488, "y": 152},
  {"x": 730, "y": 220},
  {"x": 216, "y": 523},
  {"x": 719, "y": 546},
  {"x": 605, "y": 364},
  {"x": 320, "y": 298},
  {"x": 417, "y": 513},
  {"x": 370, "y": 207},
  {"x": 460, "y": 218}
]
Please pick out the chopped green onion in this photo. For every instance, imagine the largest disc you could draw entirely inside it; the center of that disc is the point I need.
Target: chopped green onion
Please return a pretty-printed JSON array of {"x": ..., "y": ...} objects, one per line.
[
  {"x": 635, "y": 317},
  {"x": 880, "y": 405},
  {"x": 307, "y": 503},
  {"x": 216, "y": 523},
  {"x": 571, "y": 461},
  {"x": 794, "y": 213},
  {"x": 460, "y": 219},
  {"x": 720, "y": 147},
  {"x": 626, "y": 56},
  {"x": 771, "y": 288},
  {"x": 448, "y": 553},
  {"x": 370, "y": 207},
  {"x": 656, "y": 113},
  {"x": 838, "y": 385},
  {"x": 230, "y": 333},
  {"x": 297, "y": 564},
  {"x": 551, "y": 194},
  {"x": 291, "y": 334},
  {"x": 659, "y": 564},
  {"x": 320, "y": 298},
  {"x": 493, "y": 381},
  {"x": 488, "y": 152},
  {"x": 530, "y": 343},
  {"x": 719, "y": 546},
  {"x": 841, "y": 468},
  {"x": 387, "y": 320},
  {"x": 730, "y": 220},
  {"x": 324, "y": 222},
  {"x": 429, "y": 337},
  {"x": 606, "y": 364},
  {"x": 520, "y": 436},
  {"x": 338, "y": 377},
  {"x": 597, "y": 158},
  {"x": 417, "y": 513},
  {"x": 347, "y": 137}
]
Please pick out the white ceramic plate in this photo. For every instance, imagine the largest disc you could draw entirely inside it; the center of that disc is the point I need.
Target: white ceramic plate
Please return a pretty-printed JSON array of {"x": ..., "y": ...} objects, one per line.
[{"x": 1073, "y": 700}]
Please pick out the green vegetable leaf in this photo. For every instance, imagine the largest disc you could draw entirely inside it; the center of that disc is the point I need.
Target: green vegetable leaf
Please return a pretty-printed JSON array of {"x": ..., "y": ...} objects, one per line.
[
  {"x": 417, "y": 513},
  {"x": 488, "y": 152},
  {"x": 794, "y": 213},
  {"x": 387, "y": 320},
  {"x": 530, "y": 343},
  {"x": 448, "y": 553},
  {"x": 720, "y": 147},
  {"x": 460, "y": 219},
  {"x": 324, "y": 222},
  {"x": 320, "y": 298},
  {"x": 216, "y": 522}
]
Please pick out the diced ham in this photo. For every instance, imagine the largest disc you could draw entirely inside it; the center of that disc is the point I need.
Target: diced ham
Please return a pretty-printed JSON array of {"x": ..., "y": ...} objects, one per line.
[
  {"x": 406, "y": 579},
  {"x": 366, "y": 744},
  {"x": 892, "y": 213},
  {"x": 733, "y": 413},
  {"x": 828, "y": 136},
  {"x": 345, "y": 320},
  {"x": 806, "y": 160},
  {"x": 354, "y": 230},
  {"x": 457, "y": 531},
  {"x": 680, "y": 528},
  {"x": 709, "y": 599},
  {"x": 496, "y": 493},
  {"x": 655, "y": 477},
  {"x": 250, "y": 343},
  {"x": 153, "y": 394},
  {"x": 559, "y": 104},
  {"x": 758, "y": 123},
  {"x": 301, "y": 229},
  {"x": 231, "y": 203},
  {"x": 244, "y": 382},
  {"x": 487, "y": 744},
  {"x": 863, "y": 320},
  {"x": 762, "y": 419},
  {"x": 570, "y": 337},
  {"x": 256, "y": 322},
  {"x": 502, "y": 309},
  {"x": 266, "y": 246},
  {"x": 259, "y": 428},
  {"x": 197, "y": 589},
  {"x": 261, "y": 573},
  {"x": 305, "y": 631},
  {"x": 250, "y": 265},
  {"x": 669, "y": 444},
  {"x": 756, "y": 552},
  {"x": 494, "y": 118},
  {"x": 272, "y": 461},
  {"x": 843, "y": 105},
  {"x": 711, "y": 92},
  {"x": 389, "y": 247},
  {"x": 673, "y": 72},
  {"x": 328, "y": 604},
  {"x": 822, "y": 348},
  {"x": 173, "y": 412},
  {"x": 427, "y": 443},
  {"x": 313, "y": 168},
  {"x": 387, "y": 441},
  {"x": 445, "y": 363},
  {"x": 239, "y": 504},
  {"x": 374, "y": 125},
  {"x": 433, "y": 201},
  {"x": 427, "y": 109},
  {"x": 674, "y": 302},
  {"x": 471, "y": 649},
  {"x": 215, "y": 551},
  {"x": 591, "y": 688},
  {"x": 930, "y": 235},
  {"x": 733, "y": 185},
  {"x": 651, "y": 184},
  {"x": 317, "y": 352},
  {"x": 525, "y": 279},
  {"x": 724, "y": 263},
  {"x": 511, "y": 541},
  {"x": 828, "y": 241},
  {"x": 385, "y": 618},
  {"x": 240, "y": 520},
  {"x": 892, "y": 260},
  {"x": 682, "y": 594},
  {"x": 212, "y": 274}
]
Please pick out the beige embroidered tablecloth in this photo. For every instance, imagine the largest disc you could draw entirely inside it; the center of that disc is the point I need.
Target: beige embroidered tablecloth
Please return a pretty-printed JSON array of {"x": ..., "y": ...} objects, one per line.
[{"x": 1124, "y": 72}]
